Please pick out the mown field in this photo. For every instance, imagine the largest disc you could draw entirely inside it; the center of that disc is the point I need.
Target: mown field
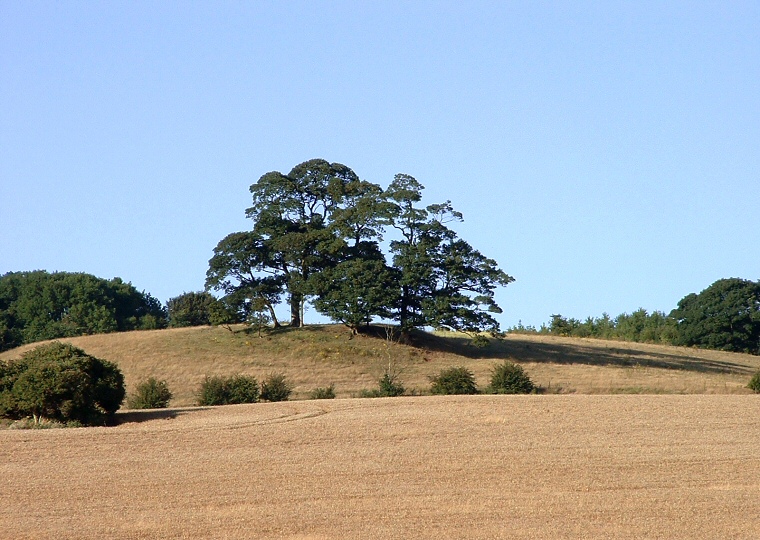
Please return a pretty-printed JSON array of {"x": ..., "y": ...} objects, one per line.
[
  {"x": 584, "y": 459},
  {"x": 538, "y": 466}
]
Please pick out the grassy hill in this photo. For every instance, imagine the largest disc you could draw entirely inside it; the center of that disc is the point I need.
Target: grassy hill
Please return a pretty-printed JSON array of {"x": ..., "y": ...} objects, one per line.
[{"x": 323, "y": 355}]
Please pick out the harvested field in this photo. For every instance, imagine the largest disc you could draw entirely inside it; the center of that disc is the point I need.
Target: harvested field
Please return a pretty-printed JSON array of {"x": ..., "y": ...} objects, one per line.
[{"x": 551, "y": 466}]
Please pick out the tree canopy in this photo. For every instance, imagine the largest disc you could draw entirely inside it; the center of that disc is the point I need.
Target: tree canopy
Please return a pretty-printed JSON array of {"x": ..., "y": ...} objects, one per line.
[
  {"x": 318, "y": 235},
  {"x": 726, "y": 315},
  {"x": 58, "y": 381},
  {"x": 38, "y": 305}
]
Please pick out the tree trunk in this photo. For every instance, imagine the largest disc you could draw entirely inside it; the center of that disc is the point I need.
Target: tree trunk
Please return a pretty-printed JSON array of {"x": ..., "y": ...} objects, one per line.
[
  {"x": 272, "y": 314},
  {"x": 295, "y": 310}
]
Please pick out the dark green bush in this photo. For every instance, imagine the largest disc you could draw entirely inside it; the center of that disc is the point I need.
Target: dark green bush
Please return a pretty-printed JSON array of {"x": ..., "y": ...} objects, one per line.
[
  {"x": 150, "y": 394},
  {"x": 754, "y": 383},
  {"x": 60, "y": 382},
  {"x": 510, "y": 378},
  {"x": 387, "y": 386},
  {"x": 390, "y": 386},
  {"x": 228, "y": 390},
  {"x": 455, "y": 380},
  {"x": 323, "y": 393},
  {"x": 275, "y": 388}
]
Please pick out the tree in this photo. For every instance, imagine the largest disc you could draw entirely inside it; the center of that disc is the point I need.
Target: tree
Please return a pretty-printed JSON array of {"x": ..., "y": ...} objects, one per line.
[
  {"x": 245, "y": 269},
  {"x": 445, "y": 282},
  {"x": 35, "y": 306},
  {"x": 292, "y": 216},
  {"x": 190, "y": 309},
  {"x": 317, "y": 234},
  {"x": 355, "y": 291},
  {"x": 725, "y": 316},
  {"x": 60, "y": 382}
]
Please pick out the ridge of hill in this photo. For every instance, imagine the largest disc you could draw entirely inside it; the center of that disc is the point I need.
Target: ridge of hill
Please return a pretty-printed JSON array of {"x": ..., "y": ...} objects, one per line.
[{"x": 320, "y": 355}]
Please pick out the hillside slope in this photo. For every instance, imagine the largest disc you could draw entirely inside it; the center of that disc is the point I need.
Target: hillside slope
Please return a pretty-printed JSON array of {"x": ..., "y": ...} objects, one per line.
[{"x": 322, "y": 355}]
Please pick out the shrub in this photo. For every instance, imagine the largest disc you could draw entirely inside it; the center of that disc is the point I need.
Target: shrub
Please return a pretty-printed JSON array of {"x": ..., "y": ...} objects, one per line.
[
  {"x": 323, "y": 393},
  {"x": 150, "y": 394},
  {"x": 275, "y": 388},
  {"x": 60, "y": 382},
  {"x": 387, "y": 386},
  {"x": 754, "y": 383},
  {"x": 510, "y": 378},
  {"x": 455, "y": 380},
  {"x": 228, "y": 391},
  {"x": 390, "y": 386}
]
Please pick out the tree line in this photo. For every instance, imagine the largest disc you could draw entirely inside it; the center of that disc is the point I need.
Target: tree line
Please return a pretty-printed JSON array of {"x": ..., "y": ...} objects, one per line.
[
  {"x": 724, "y": 316},
  {"x": 38, "y": 305}
]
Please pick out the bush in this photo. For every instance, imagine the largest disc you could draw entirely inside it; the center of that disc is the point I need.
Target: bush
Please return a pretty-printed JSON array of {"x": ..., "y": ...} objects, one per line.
[
  {"x": 275, "y": 388},
  {"x": 754, "y": 383},
  {"x": 390, "y": 386},
  {"x": 60, "y": 382},
  {"x": 323, "y": 393},
  {"x": 455, "y": 380},
  {"x": 510, "y": 378},
  {"x": 150, "y": 394},
  {"x": 228, "y": 391}
]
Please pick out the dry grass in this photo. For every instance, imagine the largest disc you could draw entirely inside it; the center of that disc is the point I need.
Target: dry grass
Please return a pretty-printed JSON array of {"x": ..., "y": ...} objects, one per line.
[
  {"x": 578, "y": 466},
  {"x": 323, "y": 355}
]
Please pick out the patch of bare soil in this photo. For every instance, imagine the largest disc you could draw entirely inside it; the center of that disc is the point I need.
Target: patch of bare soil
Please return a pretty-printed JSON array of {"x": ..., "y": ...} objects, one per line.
[{"x": 556, "y": 466}]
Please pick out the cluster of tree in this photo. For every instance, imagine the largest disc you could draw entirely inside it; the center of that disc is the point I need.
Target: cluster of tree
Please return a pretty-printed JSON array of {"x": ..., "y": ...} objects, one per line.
[
  {"x": 640, "y": 326},
  {"x": 318, "y": 236},
  {"x": 724, "y": 316},
  {"x": 62, "y": 383},
  {"x": 36, "y": 306}
]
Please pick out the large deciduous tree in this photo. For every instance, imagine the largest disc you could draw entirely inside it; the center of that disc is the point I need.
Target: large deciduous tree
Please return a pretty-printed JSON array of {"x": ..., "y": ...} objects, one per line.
[
  {"x": 445, "y": 282},
  {"x": 293, "y": 216},
  {"x": 726, "y": 316},
  {"x": 247, "y": 271}
]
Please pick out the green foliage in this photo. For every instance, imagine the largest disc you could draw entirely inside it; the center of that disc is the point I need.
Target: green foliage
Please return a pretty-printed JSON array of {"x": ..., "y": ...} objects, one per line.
[
  {"x": 355, "y": 291},
  {"x": 390, "y": 386},
  {"x": 317, "y": 235},
  {"x": 454, "y": 380},
  {"x": 190, "y": 309},
  {"x": 150, "y": 394},
  {"x": 275, "y": 388},
  {"x": 510, "y": 378},
  {"x": 323, "y": 393},
  {"x": 639, "y": 326},
  {"x": 724, "y": 316},
  {"x": 61, "y": 382},
  {"x": 36, "y": 306},
  {"x": 445, "y": 282},
  {"x": 228, "y": 390},
  {"x": 754, "y": 383}
]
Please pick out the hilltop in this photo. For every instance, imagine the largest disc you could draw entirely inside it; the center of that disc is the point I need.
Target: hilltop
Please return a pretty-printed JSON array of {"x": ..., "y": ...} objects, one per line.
[{"x": 321, "y": 355}]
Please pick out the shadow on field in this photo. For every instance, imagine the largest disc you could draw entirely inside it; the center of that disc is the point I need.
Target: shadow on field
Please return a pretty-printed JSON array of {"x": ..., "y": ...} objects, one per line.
[
  {"x": 604, "y": 353},
  {"x": 137, "y": 416}
]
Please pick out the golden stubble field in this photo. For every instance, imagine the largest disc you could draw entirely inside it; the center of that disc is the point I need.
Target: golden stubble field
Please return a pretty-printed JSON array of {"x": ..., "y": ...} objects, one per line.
[{"x": 539, "y": 466}]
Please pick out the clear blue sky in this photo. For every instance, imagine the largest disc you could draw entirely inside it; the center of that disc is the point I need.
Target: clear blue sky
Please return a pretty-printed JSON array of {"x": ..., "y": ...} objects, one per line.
[{"x": 606, "y": 154}]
